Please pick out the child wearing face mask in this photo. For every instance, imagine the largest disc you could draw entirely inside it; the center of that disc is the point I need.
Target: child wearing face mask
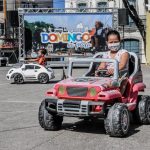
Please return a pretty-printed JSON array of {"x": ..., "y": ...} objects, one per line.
[
  {"x": 41, "y": 60},
  {"x": 115, "y": 52}
]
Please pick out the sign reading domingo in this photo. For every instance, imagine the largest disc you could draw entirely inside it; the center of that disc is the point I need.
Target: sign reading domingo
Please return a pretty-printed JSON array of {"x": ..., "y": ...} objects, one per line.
[{"x": 65, "y": 31}]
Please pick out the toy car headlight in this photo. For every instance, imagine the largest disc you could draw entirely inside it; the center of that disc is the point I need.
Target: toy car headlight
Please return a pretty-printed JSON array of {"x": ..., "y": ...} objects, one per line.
[
  {"x": 61, "y": 90},
  {"x": 49, "y": 70},
  {"x": 92, "y": 92},
  {"x": 11, "y": 71}
]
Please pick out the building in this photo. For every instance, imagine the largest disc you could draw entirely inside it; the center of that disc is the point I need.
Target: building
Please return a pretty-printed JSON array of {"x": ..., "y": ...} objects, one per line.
[
  {"x": 58, "y": 3},
  {"x": 148, "y": 33},
  {"x": 148, "y": 38},
  {"x": 1, "y": 18},
  {"x": 132, "y": 38},
  {"x": 12, "y": 5}
]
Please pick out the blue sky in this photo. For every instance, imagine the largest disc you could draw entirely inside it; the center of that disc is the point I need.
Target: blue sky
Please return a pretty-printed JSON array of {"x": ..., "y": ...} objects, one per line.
[
  {"x": 70, "y": 21},
  {"x": 58, "y": 3}
]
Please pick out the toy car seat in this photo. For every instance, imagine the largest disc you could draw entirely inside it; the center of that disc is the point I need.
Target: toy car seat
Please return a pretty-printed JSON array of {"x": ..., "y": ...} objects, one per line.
[
  {"x": 131, "y": 64},
  {"x": 125, "y": 81}
]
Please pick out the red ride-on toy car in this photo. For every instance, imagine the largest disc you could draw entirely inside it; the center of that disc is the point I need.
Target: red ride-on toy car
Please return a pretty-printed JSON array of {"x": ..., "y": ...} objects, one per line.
[{"x": 113, "y": 98}]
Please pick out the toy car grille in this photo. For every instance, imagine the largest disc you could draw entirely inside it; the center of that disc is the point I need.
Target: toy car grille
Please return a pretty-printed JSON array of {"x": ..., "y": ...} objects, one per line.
[
  {"x": 72, "y": 104},
  {"x": 77, "y": 91}
]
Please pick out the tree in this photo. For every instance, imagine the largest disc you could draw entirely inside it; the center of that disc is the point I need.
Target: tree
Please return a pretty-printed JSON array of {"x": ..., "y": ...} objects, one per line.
[{"x": 135, "y": 17}]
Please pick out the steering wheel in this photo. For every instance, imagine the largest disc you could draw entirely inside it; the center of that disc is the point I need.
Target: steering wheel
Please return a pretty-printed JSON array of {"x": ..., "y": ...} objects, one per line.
[{"x": 102, "y": 73}]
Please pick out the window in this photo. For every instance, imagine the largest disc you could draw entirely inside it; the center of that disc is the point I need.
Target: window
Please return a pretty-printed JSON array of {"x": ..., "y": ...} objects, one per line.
[
  {"x": 25, "y": 5},
  {"x": 132, "y": 45},
  {"x": 29, "y": 5},
  {"x": 29, "y": 67},
  {"x": 131, "y": 22},
  {"x": 34, "y": 5},
  {"x": 132, "y": 2},
  {"x": 37, "y": 67},
  {"x": 101, "y": 6},
  {"x": 82, "y": 6}
]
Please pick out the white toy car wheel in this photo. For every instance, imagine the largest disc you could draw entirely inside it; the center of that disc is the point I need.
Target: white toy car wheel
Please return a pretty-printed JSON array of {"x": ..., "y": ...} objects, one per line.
[
  {"x": 18, "y": 78},
  {"x": 43, "y": 78}
]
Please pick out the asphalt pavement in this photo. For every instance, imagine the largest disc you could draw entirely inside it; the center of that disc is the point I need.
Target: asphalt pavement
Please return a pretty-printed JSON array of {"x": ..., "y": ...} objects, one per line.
[{"x": 20, "y": 130}]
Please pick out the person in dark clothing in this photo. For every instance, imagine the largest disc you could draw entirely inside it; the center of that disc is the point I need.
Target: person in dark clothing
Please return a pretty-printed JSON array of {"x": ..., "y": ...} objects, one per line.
[{"x": 98, "y": 40}]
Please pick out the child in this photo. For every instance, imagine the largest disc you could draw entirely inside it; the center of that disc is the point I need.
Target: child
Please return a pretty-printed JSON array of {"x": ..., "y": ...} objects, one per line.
[
  {"x": 41, "y": 60},
  {"x": 115, "y": 52}
]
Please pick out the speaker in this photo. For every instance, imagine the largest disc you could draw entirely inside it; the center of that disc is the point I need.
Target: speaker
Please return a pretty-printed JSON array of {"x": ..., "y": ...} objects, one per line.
[
  {"x": 13, "y": 18},
  {"x": 1, "y": 5},
  {"x": 28, "y": 39},
  {"x": 1, "y": 29},
  {"x": 2, "y": 26},
  {"x": 123, "y": 17}
]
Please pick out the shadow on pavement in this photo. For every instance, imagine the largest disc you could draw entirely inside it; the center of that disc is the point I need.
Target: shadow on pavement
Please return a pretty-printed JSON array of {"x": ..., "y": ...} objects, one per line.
[
  {"x": 36, "y": 82},
  {"x": 94, "y": 127}
]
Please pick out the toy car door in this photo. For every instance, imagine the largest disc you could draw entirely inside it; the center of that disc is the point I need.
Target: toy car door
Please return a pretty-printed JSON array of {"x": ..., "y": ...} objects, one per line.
[
  {"x": 37, "y": 70},
  {"x": 29, "y": 72}
]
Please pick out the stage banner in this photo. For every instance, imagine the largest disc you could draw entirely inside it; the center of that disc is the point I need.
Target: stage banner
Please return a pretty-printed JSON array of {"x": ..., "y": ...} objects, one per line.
[{"x": 67, "y": 32}]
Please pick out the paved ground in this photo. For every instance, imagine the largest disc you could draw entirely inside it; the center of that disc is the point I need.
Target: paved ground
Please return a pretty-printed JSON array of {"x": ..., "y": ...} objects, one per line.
[{"x": 19, "y": 128}]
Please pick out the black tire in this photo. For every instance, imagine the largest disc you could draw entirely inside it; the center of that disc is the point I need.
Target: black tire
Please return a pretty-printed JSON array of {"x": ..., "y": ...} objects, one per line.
[
  {"x": 43, "y": 78},
  {"x": 117, "y": 123},
  {"x": 142, "y": 113},
  {"x": 48, "y": 121},
  {"x": 18, "y": 78}
]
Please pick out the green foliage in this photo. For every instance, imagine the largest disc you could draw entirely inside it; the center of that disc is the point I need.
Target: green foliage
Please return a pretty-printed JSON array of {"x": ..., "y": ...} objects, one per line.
[{"x": 36, "y": 28}]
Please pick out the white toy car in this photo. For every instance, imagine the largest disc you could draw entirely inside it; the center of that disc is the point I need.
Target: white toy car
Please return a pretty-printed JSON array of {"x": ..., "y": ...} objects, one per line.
[{"x": 30, "y": 72}]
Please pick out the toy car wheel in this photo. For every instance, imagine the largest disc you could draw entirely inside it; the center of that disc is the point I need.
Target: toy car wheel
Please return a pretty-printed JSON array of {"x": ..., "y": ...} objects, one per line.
[
  {"x": 47, "y": 120},
  {"x": 117, "y": 123},
  {"x": 142, "y": 113},
  {"x": 18, "y": 78},
  {"x": 43, "y": 78}
]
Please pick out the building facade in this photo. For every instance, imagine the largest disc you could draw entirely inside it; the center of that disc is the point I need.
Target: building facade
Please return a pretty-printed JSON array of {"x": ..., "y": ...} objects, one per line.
[
  {"x": 148, "y": 33},
  {"x": 12, "y": 5},
  {"x": 132, "y": 38}
]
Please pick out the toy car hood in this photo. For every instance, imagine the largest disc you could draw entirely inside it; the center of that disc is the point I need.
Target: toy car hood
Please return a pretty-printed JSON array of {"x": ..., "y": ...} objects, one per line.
[{"x": 89, "y": 82}]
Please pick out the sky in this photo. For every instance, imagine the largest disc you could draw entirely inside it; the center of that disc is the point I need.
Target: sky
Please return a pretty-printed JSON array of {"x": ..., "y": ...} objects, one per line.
[
  {"x": 71, "y": 21},
  {"x": 58, "y": 3}
]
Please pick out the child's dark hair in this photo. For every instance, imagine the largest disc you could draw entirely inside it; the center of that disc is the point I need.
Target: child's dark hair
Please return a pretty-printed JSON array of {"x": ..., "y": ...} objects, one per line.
[
  {"x": 43, "y": 51},
  {"x": 113, "y": 32}
]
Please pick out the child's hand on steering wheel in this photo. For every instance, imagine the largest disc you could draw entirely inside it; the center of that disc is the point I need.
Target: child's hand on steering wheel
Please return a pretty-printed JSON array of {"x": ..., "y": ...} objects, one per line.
[
  {"x": 110, "y": 71},
  {"x": 96, "y": 74}
]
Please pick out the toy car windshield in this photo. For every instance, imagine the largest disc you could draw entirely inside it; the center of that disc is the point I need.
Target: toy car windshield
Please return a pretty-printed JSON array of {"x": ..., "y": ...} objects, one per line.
[{"x": 92, "y": 69}]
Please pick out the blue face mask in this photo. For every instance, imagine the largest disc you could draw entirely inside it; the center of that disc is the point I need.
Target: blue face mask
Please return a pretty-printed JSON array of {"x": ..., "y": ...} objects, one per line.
[{"x": 114, "y": 46}]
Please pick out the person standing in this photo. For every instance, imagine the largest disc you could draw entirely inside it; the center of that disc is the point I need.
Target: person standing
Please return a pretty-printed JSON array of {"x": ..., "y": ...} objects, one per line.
[{"x": 98, "y": 40}]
